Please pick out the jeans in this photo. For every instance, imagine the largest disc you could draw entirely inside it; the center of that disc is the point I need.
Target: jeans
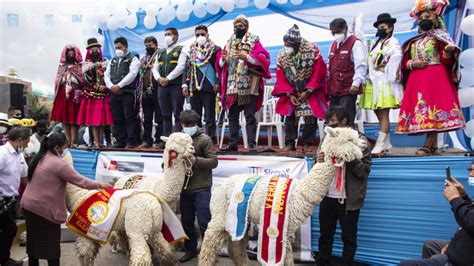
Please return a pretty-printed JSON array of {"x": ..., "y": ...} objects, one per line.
[
  {"x": 330, "y": 211},
  {"x": 192, "y": 205},
  {"x": 234, "y": 124},
  {"x": 125, "y": 118},
  {"x": 152, "y": 111},
  {"x": 206, "y": 100},
  {"x": 8, "y": 230},
  {"x": 291, "y": 131},
  {"x": 171, "y": 102},
  {"x": 346, "y": 101}
]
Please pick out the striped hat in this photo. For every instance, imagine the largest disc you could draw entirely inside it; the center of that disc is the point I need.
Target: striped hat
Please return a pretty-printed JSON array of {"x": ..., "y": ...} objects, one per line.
[{"x": 293, "y": 35}]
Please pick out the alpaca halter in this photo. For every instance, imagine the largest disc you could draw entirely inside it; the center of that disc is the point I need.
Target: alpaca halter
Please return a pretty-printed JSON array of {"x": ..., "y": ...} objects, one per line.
[{"x": 188, "y": 165}]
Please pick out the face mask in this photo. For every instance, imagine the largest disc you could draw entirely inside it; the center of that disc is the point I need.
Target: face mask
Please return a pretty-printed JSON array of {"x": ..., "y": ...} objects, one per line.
[
  {"x": 333, "y": 125},
  {"x": 289, "y": 50},
  {"x": 70, "y": 59},
  {"x": 426, "y": 24},
  {"x": 63, "y": 154},
  {"x": 150, "y": 50},
  {"x": 190, "y": 130},
  {"x": 3, "y": 130},
  {"x": 339, "y": 37},
  {"x": 382, "y": 33},
  {"x": 201, "y": 40},
  {"x": 20, "y": 150},
  {"x": 239, "y": 32},
  {"x": 169, "y": 40},
  {"x": 95, "y": 56},
  {"x": 119, "y": 53}
]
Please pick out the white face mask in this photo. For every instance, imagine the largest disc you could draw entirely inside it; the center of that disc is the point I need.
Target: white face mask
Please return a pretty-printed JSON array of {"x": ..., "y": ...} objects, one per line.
[
  {"x": 201, "y": 40},
  {"x": 289, "y": 50},
  {"x": 3, "y": 130},
  {"x": 62, "y": 155},
  {"x": 339, "y": 37},
  {"x": 190, "y": 130},
  {"x": 169, "y": 41},
  {"x": 119, "y": 53}
]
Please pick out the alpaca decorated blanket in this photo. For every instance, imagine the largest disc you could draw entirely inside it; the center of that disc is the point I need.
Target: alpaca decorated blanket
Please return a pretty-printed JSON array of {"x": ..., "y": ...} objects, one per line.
[
  {"x": 237, "y": 213},
  {"x": 96, "y": 216},
  {"x": 273, "y": 222}
]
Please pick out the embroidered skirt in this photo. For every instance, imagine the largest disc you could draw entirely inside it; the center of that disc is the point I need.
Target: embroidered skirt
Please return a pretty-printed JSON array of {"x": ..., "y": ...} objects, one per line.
[
  {"x": 95, "y": 112},
  {"x": 64, "y": 109}
]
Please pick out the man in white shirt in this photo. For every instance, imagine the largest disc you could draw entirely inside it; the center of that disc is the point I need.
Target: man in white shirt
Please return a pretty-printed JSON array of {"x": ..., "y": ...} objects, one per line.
[
  {"x": 120, "y": 78},
  {"x": 347, "y": 67},
  {"x": 168, "y": 70},
  {"x": 13, "y": 170}
]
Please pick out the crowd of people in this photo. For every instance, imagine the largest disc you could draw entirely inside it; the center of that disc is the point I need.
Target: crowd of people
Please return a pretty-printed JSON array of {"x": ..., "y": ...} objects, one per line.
[{"x": 420, "y": 77}]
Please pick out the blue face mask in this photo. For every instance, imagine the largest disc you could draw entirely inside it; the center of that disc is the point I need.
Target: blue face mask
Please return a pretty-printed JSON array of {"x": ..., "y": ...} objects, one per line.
[{"x": 190, "y": 130}]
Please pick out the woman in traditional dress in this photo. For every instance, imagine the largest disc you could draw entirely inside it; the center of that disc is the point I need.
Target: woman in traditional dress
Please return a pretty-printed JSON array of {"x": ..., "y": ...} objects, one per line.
[
  {"x": 430, "y": 68},
  {"x": 95, "y": 110},
  {"x": 383, "y": 90},
  {"x": 67, "y": 91}
]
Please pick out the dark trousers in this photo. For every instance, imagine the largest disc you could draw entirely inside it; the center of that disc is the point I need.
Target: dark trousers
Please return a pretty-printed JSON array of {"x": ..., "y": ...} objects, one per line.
[
  {"x": 346, "y": 101},
  {"x": 32, "y": 261},
  {"x": 331, "y": 211},
  {"x": 192, "y": 205},
  {"x": 125, "y": 118},
  {"x": 206, "y": 100},
  {"x": 435, "y": 260},
  {"x": 234, "y": 124},
  {"x": 291, "y": 131},
  {"x": 171, "y": 102},
  {"x": 7, "y": 232},
  {"x": 152, "y": 111},
  {"x": 107, "y": 132}
]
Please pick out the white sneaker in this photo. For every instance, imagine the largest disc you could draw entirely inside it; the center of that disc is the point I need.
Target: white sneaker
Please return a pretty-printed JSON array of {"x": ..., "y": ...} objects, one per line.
[{"x": 380, "y": 144}]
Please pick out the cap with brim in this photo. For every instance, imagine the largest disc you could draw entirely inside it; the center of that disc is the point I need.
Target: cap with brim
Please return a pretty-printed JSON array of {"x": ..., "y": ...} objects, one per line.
[
  {"x": 384, "y": 18},
  {"x": 92, "y": 42}
]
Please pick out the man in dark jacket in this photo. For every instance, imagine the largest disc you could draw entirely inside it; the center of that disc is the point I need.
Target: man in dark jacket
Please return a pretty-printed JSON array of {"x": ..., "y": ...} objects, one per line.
[
  {"x": 460, "y": 250},
  {"x": 196, "y": 192},
  {"x": 345, "y": 197}
]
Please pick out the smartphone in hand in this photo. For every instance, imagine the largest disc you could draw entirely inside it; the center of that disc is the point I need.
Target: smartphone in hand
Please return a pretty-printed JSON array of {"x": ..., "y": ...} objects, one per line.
[{"x": 448, "y": 174}]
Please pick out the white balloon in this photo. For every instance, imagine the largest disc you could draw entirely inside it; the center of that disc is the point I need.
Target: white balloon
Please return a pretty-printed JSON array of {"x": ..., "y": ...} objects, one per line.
[
  {"x": 151, "y": 10},
  {"x": 228, "y": 6},
  {"x": 103, "y": 25},
  {"x": 121, "y": 13},
  {"x": 469, "y": 130},
  {"x": 200, "y": 10},
  {"x": 186, "y": 6},
  {"x": 467, "y": 58},
  {"x": 470, "y": 4},
  {"x": 112, "y": 23},
  {"x": 132, "y": 6},
  {"x": 213, "y": 7},
  {"x": 282, "y": 2},
  {"x": 181, "y": 15},
  {"x": 162, "y": 19},
  {"x": 467, "y": 77},
  {"x": 296, "y": 2},
  {"x": 102, "y": 17},
  {"x": 261, "y": 4},
  {"x": 132, "y": 21},
  {"x": 467, "y": 25},
  {"x": 100, "y": 39},
  {"x": 242, "y": 3},
  {"x": 170, "y": 13},
  {"x": 149, "y": 22},
  {"x": 466, "y": 97}
]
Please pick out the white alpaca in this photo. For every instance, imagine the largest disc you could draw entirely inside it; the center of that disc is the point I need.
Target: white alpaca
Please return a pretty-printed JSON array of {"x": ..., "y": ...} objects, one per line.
[
  {"x": 140, "y": 218},
  {"x": 343, "y": 144}
]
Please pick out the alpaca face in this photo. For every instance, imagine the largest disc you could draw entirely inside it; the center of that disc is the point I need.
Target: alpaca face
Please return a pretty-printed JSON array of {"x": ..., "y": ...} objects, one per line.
[
  {"x": 343, "y": 144},
  {"x": 179, "y": 146}
]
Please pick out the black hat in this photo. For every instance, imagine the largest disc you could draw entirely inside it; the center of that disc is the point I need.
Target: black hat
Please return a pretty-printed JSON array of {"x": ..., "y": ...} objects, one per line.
[
  {"x": 92, "y": 42},
  {"x": 384, "y": 18}
]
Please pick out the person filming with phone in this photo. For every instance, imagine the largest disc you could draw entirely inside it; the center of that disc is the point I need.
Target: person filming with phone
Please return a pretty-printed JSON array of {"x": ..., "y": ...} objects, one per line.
[{"x": 460, "y": 250}]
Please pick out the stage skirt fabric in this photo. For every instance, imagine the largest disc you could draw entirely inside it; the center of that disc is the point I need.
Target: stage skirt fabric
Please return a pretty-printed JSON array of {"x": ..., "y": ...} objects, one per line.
[
  {"x": 430, "y": 102},
  {"x": 42, "y": 237},
  {"x": 95, "y": 112},
  {"x": 64, "y": 110}
]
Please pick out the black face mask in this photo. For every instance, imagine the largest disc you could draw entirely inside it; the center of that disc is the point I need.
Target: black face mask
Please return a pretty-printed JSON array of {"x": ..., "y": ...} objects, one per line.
[
  {"x": 382, "y": 33},
  {"x": 426, "y": 24},
  {"x": 70, "y": 59},
  {"x": 333, "y": 125},
  {"x": 150, "y": 50},
  {"x": 95, "y": 56},
  {"x": 239, "y": 32}
]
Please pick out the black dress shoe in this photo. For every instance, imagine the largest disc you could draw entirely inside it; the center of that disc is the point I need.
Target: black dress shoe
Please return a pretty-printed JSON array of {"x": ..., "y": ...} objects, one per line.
[
  {"x": 12, "y": 262},
  {"x": 252, "y": 147},
  {"x": 290, "y": 147},
  {"x": 118, "y": 146},
  {"x": 161, "y": 145},
  {"x": 131, "y": 146},
  {"x": 231, "y": 148},
  {"x": 187, "y": 257}
]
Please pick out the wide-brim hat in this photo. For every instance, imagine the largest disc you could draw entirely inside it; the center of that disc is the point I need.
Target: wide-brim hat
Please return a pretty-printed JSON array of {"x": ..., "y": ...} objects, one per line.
[
  {"x": 384, "y": 18},
  {"x": 92, "y": 42},
  {"x": 4, "y": 120}
]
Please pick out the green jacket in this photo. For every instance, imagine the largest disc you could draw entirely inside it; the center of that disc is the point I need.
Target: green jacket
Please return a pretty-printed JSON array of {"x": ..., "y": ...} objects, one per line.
[
  {"x": 119, "y": 71},
  {"x": 168, "y": 62},
  {"x": 206, "y": 160}
]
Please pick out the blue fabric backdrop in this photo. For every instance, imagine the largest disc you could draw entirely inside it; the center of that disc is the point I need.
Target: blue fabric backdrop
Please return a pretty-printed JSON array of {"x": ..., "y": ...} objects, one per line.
[{"x": 404, "y": 206}]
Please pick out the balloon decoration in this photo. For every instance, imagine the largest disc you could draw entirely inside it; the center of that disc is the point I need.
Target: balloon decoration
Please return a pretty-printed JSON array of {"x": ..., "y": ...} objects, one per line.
[
  {"x": 242, "y": 3},
  {"x": 213, "y": 7},
  {"x": 132, "y": 21},
  {"x": 469, "y": 130},
  {"x": 261, "y": 4},
  {"x": 467, "y": 58},
  {"x": 228, "y": 6},
  {"x": 467, "y": 25},
  {"x": 150, "y": 22},
  {"x": 470, "y": 4},
  {"x": 112, "y": 23},
  {"x": 467, "y": 77},
  {"x": 200, "y": 10},
  {"x": 281, "y": 2},
  {"x": 296, "y": 2},
  {"x": 466, "y": 97}
]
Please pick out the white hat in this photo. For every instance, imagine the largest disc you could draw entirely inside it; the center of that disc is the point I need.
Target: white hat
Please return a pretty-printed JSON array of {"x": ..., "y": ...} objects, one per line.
[{"x": 4, "y": 119}]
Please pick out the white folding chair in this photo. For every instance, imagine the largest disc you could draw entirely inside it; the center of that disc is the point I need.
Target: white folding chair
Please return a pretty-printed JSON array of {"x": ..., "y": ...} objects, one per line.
[
  {"x": 271, "y": 119},
  {"x": 243, "y": 125},
  {"x": 320, "y": 128}
]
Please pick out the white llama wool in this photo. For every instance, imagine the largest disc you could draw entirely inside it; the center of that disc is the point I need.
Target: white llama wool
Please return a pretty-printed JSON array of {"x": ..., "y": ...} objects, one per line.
[
  {"x": 341, "y": 144},
  {"x": 140, "y": 219}
]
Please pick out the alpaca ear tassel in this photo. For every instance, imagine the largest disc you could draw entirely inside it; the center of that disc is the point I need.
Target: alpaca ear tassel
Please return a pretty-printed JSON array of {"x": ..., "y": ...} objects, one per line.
[{"x": 330, "y": 131}]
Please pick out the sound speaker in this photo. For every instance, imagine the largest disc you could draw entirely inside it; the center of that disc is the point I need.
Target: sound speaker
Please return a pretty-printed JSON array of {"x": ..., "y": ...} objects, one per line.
[{"x": 13, "y": 94}]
